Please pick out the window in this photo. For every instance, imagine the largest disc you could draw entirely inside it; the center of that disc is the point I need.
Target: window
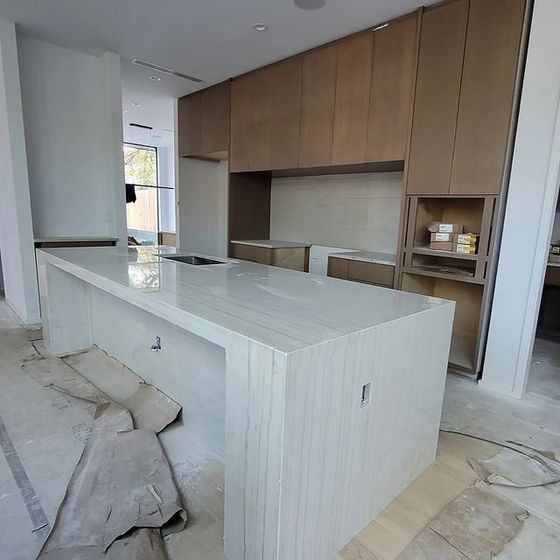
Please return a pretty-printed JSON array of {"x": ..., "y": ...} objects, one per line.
[{"x": 141, "y": 170}]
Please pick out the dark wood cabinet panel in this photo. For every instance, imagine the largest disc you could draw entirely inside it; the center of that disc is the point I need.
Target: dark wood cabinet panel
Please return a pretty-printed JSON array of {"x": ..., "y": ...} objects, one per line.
[
  {"x": 392, "y": 89},
  {"x": 285, "y": 111},
  {"x": 487, "y": 95},
  {"x": 317, "y": 107},
  {"x": 190, "y": 125},
  {"x": 215, "y": 116},
  {"x": 204, "y": 123},
  {"x": 338, "y": 268},
  {"x": 250, "y": 123},
  {"x": 265, "y": 118},
  {"x": 353, "y": 82},
  {"x": 249, "y": 206},
  {"x": 440, "y": 63}
]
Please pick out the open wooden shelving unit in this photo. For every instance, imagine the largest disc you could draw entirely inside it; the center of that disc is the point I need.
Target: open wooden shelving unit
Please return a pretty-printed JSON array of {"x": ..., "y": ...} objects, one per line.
[{"x": 462, "y": 278}]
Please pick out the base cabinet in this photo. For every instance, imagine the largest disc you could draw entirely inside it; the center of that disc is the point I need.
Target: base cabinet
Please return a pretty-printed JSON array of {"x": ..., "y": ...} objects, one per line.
[
  {"x": 361, "y": 271},
  {"x": 293, "y": 258}
]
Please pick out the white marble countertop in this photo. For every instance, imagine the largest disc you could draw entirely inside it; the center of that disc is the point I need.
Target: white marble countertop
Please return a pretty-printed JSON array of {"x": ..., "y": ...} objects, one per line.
[
  {"x": 75, "y": 238},
  {"x": 367, "y": 256},
  {"x": 271, "y": 243},
  {"x": 283, "y": 309}
]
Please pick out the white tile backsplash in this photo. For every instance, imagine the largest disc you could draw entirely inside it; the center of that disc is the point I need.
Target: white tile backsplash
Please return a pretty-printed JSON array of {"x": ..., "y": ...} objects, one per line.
[{"x": 358, "y": 211}]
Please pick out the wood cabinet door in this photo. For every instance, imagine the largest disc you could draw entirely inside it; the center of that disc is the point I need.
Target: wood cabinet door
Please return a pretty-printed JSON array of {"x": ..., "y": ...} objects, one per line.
[
  {"x": 392, "y": 89},
  {"x": 317, "y": 107},
  {"x": 487, "y": 95},
  {"x": 337, "y": 268},
  {"x": 214, "y": 109},
  {"x": 353, "y": 82},
  {"x": 284, "y": 80},
  {"x": 438, "y": 84},
  {"x": 250, "y": 123},
  {"x": 189, "y": 122}
]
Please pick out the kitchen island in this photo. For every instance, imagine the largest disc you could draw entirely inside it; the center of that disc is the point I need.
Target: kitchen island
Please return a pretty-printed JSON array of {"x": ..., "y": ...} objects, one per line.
[{"x": 320, "y": 399}]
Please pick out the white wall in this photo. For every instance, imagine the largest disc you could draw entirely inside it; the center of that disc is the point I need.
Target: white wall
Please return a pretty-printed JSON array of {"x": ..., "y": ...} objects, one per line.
[
  {"x": 530, "y": 210},
  {"x": 202, "y": 190},
  {"x": 358, "y": 211},
  {"x": 72, "y": 114},
  {"x": 166, "y": 167},
  {"x": 16, "y": 230}
]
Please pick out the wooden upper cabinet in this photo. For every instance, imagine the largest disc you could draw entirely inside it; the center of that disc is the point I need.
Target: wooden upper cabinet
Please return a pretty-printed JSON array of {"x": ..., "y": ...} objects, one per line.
[
  {"x": 189, "y": 125},
  {"x": 250, "y": 148},
  {"x": 215, "y": 116},
  {"x": 438, "y": 84},
  {"x": 265, "y": 117},
  {"x": 352, "y": 99},
  {"x": 317, "y": 107},
  {"x": 487, "y": 95},
  {"x": 392, "y": 89},
  {"x": 204, "y": 122},
  {"x": 285, "y": 111}
]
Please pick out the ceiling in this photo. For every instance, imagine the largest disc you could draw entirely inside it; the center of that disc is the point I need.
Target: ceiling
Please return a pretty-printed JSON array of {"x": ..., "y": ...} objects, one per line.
[{"x": 209, "y": 39}]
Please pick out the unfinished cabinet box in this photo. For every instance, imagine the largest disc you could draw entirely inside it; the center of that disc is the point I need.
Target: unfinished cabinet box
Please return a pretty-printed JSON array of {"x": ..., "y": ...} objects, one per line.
[
  {"x": 465, "y": 352},
  {"x": 293, "y": 258},
  {"x": 265, "y": 118},
  {"x": 204, "y": 123},
  {"x": 392, "y": 89},
  {"x": 464, "y": 278},
  {"x": 361, "y": 271}
]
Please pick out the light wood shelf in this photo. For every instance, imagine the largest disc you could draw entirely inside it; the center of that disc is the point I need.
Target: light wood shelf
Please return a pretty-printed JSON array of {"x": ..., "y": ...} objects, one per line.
[
  {"x": 441, "y": 253},
  {"x": 418, "y": 270}
]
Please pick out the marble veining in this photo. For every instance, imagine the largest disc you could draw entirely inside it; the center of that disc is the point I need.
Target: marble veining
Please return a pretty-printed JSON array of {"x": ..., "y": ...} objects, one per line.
[
  {"x": 283, "y": 309},
  {"x": 307, "y": 462}
]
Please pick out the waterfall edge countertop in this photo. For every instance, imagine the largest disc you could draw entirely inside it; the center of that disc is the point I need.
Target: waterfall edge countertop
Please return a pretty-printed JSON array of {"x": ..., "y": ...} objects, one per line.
[
  {"x": 283, "y": 309},
  {"x": 271, "y": 243},
  {"x": 327, "y": 397},
  {"x": 367, "y": 256}
]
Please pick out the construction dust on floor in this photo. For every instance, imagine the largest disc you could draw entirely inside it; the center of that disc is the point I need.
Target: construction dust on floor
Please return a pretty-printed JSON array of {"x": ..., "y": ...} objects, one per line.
[{"x": 78, "y": 481}]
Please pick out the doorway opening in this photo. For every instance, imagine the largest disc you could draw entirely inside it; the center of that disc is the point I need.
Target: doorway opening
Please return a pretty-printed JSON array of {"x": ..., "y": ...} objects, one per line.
[{"x": 544, "y": 373}]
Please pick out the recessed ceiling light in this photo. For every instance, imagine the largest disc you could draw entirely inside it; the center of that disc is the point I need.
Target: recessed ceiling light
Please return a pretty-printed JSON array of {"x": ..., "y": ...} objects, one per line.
[
  {"x": 136, "y": 104},
  {"x": 155, "y": 78},
  {"x": 259, "y": 27},
  {"x": 310, "y": 4}
]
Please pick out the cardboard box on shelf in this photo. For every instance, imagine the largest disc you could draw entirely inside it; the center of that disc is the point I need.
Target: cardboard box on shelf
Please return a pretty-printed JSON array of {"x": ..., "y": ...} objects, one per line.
[
  {"x": 443, "y": 227},
  {"x": 441, "y": 245},
  {"x": 466, "y": 238},
  {"x": 461, "y": 238},
  {"x": 464, "y": 249}
]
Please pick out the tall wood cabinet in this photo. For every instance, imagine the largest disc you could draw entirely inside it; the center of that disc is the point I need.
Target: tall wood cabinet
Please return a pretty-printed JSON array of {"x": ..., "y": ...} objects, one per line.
[
  {"x": 438, "y": 85},
  {"x": 469, "y": 52},
  {"x": 461, "y": 137}
]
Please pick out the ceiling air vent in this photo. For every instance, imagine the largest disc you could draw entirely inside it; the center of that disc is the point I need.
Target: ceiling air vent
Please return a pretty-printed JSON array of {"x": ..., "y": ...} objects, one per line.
[
  {"x": 143, "y": 126},
  {"x": 165, "y": 70}
]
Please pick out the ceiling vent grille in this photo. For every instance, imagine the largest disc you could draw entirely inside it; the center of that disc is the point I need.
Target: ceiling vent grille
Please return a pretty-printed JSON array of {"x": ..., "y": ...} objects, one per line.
[{"x": 165, "y": 70}]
